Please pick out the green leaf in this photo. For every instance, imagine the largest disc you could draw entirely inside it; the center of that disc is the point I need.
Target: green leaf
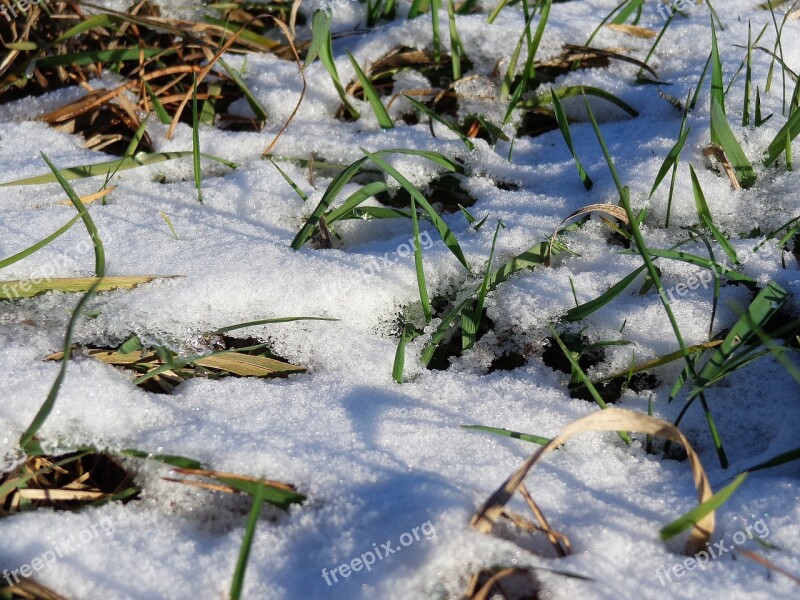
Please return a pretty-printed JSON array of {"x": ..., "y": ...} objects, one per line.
[
  {"x": 690, "y": 518},
  {"x": 584, "y": 310},
  {"x": 244, "y": 552},
  {"x": 446, "y": 122},
  {"x": 784, "y": 137},
  {"x": 671, "y": 160},
  {"x": 99, "y": 251},
  {"x": 384, "y": 120},
  {"x": 444, "y": 231},
  {"x": 536, "y": 439},
  {"x": 563, "y": 125},
  {"x": 321, "y": 28},
  {"x": 26, "y": 441},
  {"x": 699, "y": 199},
  {"x": 269, "y": 322},
  {"x": 39, "y": 245},
  {"x": 169, "y": 459},
  {"x": 473, "y": 312},
  {"x": 721, "y": 133},
  {"x": 252, "y": 101}
]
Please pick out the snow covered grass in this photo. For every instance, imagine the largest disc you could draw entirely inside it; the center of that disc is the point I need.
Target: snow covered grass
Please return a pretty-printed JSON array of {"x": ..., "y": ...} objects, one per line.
[{"x": 415, "y": 242}]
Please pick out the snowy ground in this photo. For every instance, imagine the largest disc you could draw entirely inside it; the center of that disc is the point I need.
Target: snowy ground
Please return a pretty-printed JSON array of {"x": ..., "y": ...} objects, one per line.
[{"x": 377, "y": 459}]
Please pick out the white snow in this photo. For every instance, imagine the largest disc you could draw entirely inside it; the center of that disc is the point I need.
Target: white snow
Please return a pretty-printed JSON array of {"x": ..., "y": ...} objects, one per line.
[{"x": 377, "y": 459}]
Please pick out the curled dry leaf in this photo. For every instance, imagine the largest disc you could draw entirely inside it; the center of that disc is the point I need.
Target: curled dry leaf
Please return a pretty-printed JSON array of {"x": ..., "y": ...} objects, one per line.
[
  {"x": 716, "y": 151},
  {"x": 610, "y": 209},
  {"x": 611, "y": 419}
]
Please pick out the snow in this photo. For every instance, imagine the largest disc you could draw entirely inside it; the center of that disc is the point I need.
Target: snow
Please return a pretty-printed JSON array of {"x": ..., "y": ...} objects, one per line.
[{"x": 377, "y": 459}]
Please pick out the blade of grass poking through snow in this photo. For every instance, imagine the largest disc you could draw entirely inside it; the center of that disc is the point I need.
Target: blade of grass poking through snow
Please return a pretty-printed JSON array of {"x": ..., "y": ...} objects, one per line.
[
  {"x": 158, "y": 108},
  {"x": 535, "y": 439},
  {"x": 563, "y": 125},
  {"x": 26, "y": 441},
  {"x": 39, "y": 245},
  {"x": 446, "y": 122},
  {"x": 703, "y": 75},
  {"x": 289, "y": 180},
  {"x": 473, "y": 312},
  {"x": 400, "y": 356},
  {"x": 334, "y": 187},
  {"x": 761, "y": 309},
  {"x": 576, "y": 368},
  {"x": 423, "y": 287},
  {"x": 456, "y": 47},
  {"x": 691, "y": 518},
  {"x": 168, "y": 221},
  {"x": 99, "y": 251},
  {"x": 703, "y": 214},
  {"x": 444, "y": 231},
  {"x": 720, "y": 129},
  {"x": 252, "y": 101},
  {"x": 137, "y": 138},
  {"x": 748, "y": 75},
  {"x": 384, "y": 120},
  {"x": 722, "y": 135},
  {"x": 244, "y": 553},
  {"x": 641, "y": 248},
  {"x": 671, "y": 160},
  {"x": 141, "y": 159},
  {"x": 269, "y": 322},
  {"x": 436, "y": 6},
  {"x": 196, "y": 144},
  {"x": 321, "y": 42},
  {"x": 582, "y": 311},
  {"x": 533, "y": 47},
  {"x": 783, "y": 139}
]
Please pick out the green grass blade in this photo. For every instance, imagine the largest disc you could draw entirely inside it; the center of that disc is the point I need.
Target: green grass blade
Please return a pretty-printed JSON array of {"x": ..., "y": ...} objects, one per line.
[
  {"x": 473, "y": 312},
  {"x": 26, "y": 441},
  {"x": 703, "y": 214},
  {"x": 99, "y": 251},
  {"x": 39, "y": 245},
  {"x": 328, "y": 197},
  {"x": 761, "y": 309},
  {"x": 606, "y": 153},
  {"x": 137, "y": 138},
  {"x": 107, "y": 57},
  {"x": 400, "y": 356},
  {"x": 423, "y": 287},
  {"x": 776, "y": 461},
  {"x": 244, "y": 552},
  {"x": 671, "y": 159},
  {"x": 577, "y": 370},
  {"x": 159, "y": 109},
  {"x": 112, "y": 166},
  {"x": 321, "y": 30},
  {"x": 198, "y": 176},
  {"x": 563, "y": 125},
  {"x": 690, "y": 518},
  {"x": 436, "y": 6},
  {"x": 535, "y": 439},
  {"x": 444, "y": 231},
  {"x": 269, "y": 322},
  {"x": 289, "y": 180},
  {"x": 587, "y": 308},
  {"x": 446, "y": 122},
  {"x": 717, "y": 87},
  {"x": 384, "y": 120},
  {"x": 784, "y": 137},
  {"x": 168, "y": 459},
  {"x": 252, "y": 101},
  {"x": 721, "y": 134},
  {"x": 356, "y": 198}
]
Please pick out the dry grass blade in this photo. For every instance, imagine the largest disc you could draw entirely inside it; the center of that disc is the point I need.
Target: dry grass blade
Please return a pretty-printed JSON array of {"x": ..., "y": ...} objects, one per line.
[
  {"x": 28, "y": 288},
  {"x": 768, "y": 564},
  {"x": 492, "y": 582},
  {"x": 610, "y": 209},
  {"x": 611, "y": 419},
  {"x": 91, "y": 197},
  {"x": 27, "y": 589},
  {"x": 63, "y": 482},
  {"x": 716, "y": 151},
  {"x": 634, "y": 30},
  {"x": 243, "y": 478}
]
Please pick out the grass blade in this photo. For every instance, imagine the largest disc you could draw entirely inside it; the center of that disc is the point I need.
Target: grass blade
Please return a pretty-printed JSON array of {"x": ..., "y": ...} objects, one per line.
[
  {"x": 26, "y": 441},
  {"x": 473, "y": 312},
  {"x": 691, "y": 518},
  {"x": 563, "y": 125},
  {"x": 244, "y": 552},
  {"x": 536, "y": 439},
  {"x": 721, "y": 134},
  {"x": 99, "y": 251},
  {"x": 384, "y": 120},
  {"x": 444, "y": 231},
  {"x": 39, "y": 245},
  {"x": 198, "y": 176}
]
